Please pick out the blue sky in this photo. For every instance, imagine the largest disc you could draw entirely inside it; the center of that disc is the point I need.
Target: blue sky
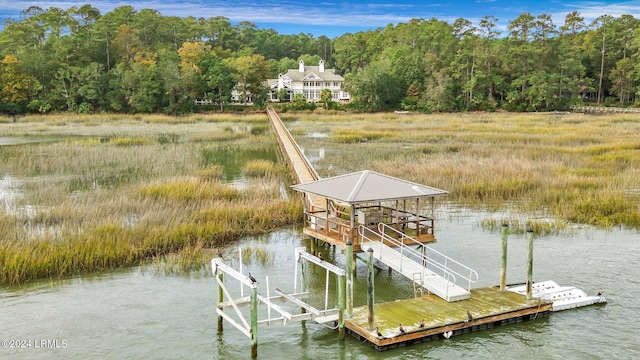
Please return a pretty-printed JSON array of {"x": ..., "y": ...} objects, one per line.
[{"x": 334, "y": 17}]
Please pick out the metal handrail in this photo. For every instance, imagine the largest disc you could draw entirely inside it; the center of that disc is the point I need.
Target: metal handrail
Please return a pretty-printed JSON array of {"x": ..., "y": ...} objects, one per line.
[
  {"x": 442, "y": 266},
  {"x": 473, "y": 275},
  {"x": 424, "y": 261}
]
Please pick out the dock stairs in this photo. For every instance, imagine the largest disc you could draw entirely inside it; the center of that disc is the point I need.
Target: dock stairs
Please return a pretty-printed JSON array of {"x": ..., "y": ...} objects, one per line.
[{"x": 425, "y": 266}]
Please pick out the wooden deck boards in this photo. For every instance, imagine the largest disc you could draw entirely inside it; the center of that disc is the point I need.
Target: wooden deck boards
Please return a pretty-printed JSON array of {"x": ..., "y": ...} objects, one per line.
[{"x": 488, "y": 307}]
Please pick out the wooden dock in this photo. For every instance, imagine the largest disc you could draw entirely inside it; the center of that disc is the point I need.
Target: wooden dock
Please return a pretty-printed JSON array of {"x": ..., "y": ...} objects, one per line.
[
  {"x": 604, "y": 110},
  {"x": 300, "y": 165},
  {"x": 344, "y": 219},
  {"x": 488, "y": 307}
]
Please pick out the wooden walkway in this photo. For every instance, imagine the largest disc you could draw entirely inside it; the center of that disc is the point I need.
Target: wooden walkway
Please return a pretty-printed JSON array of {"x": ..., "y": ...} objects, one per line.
[
  {"x": 604, "y": 110},
  {"x": 300, "y": 166}
]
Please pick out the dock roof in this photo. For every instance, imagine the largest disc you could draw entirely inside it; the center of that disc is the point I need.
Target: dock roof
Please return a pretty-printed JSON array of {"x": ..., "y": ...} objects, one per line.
[{"x": 367, "y": 186}]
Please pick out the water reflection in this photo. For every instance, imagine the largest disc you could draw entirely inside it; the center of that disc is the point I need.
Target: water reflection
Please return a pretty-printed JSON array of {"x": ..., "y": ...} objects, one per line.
[
  {"x": 233, "y": 159},
  {"x": 22, "y": 140},
  {"x": 135, "y": 313},
  {"x": 9, "y": 193}
]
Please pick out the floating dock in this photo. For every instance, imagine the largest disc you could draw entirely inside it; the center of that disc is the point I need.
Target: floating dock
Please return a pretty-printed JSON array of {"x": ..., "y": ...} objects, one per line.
[{"x": 431, "y": 317}]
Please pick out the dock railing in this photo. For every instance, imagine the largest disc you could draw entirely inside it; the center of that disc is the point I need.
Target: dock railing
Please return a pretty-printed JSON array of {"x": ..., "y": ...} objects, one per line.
[
  {"x": 429, "y": 258},
  {"x": 328, "y": 225},
  {"x": 603, "y": 109}
]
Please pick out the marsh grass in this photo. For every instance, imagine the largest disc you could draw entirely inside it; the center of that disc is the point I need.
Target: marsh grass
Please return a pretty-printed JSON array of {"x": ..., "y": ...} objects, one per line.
[
  {"x": 573, "y": 168},
  {"x": 101, "y": 192},
  {"x": 359, "y": 135},
  {"x": 210, "y": 173},
  {"x": 104, "y": 192},
  {"x": 263, "y": 168},
  {"x": 188, "y": 260},
  {"x": 189, "y": 189},
  {"x": 257, "y": 253},
  {"x": 519, "y": 226}
]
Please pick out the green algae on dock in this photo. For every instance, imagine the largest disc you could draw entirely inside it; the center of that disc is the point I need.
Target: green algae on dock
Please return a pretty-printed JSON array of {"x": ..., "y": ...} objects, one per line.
[{"x": 487, "y": 306}]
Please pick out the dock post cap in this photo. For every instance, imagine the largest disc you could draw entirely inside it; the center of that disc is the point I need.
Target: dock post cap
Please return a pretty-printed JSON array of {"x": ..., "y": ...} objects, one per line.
[
  {"x": 529, "y": 230},
  {"x": 505, "y": 225},
  {"x": 349, "y": 243},
  {"x": 370, "y": 250}
]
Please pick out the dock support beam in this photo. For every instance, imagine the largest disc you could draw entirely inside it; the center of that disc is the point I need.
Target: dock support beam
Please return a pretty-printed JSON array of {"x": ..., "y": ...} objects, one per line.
[
  {"x": 370, "y": 315},
  {"x": 349, "y": 278},
  {"x": 341, "y": 301},
  {"x": 529, "y": 263},
  {"x": 254, "y": 322},
  {"x": 303, "y": 280},
  {"x": 220, "y": 298},
  {"x": 503, "y": 270}
]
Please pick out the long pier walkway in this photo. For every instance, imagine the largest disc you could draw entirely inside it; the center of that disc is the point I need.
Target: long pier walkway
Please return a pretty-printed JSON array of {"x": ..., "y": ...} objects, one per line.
[{"x": 301, "y": 167}]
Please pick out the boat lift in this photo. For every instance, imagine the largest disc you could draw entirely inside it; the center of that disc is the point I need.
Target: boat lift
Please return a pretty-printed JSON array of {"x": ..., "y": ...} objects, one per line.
[{"x": 308, "y": 312}]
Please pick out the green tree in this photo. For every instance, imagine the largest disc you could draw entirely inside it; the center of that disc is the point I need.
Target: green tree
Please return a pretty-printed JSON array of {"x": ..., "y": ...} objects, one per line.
[
  {"x": 375, "y": 88},
  {"x": 487, "y": 28},
  {"x": 602, "y": 24},
  {"x": 464, "y": 65},
  {"x": 249, "y": 72},
  {"x": 16, "y": 86},
  {"x": 143, "y": 92},
  {"x": 326, "y": 98},
  {"x": 569, "y": 64},
  {"x": 218, "y": 79}
]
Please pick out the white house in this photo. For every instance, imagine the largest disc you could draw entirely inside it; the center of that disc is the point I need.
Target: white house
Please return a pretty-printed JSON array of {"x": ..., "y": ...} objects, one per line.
[
  {"x": 240, "y": 96},
  {"x": 309, "y": 81}
]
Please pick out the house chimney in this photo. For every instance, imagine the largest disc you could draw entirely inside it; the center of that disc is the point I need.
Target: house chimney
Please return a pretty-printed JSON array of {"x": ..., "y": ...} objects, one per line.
[
  {"x": 301, "y": 66},
  {"x": 280, "y": 82},
  {"x": 321, "y": 66}
]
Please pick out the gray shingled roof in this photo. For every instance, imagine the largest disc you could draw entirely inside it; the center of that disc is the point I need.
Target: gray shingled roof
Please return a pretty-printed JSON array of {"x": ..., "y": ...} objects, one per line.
[
  {"x": 327, "y": 75},
  {"x": 367, "y": 186}
]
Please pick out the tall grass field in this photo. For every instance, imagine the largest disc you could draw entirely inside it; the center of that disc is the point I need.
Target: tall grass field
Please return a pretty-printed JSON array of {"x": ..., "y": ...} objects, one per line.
[
  {"x": 570, "y": 168},
  {"x": 86, "y": 193}
]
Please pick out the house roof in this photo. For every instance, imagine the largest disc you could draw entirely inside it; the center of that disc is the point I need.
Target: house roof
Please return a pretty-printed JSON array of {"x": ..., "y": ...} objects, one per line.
[
  {"x": 326, "y": 75},
  {"x": 367, "y": 186},
  {"x": 273, "y": 84}
]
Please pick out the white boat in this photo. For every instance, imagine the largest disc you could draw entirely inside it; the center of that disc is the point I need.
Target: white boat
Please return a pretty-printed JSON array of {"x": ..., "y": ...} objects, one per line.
[{"x": 563, "y": 297}]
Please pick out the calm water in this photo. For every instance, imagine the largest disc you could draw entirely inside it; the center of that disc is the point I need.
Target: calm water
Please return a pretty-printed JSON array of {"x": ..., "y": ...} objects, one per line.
[{"x": 137, "y": 314}]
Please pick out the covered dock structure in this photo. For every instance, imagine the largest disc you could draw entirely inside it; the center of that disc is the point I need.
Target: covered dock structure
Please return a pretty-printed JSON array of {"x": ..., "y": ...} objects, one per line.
[{"x": 367, "y": 198}]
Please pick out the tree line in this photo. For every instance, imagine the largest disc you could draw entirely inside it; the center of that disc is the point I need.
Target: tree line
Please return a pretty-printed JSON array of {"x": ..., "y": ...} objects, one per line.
[{"x": 141, "y": 62}]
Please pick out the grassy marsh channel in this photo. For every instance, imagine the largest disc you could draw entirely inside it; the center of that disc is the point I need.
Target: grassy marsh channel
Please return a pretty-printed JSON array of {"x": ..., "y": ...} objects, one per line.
[
  {"x": 85, "y": 193},
  {"x": 101, "y": 192},
  {"x": 558, "y": 168}
]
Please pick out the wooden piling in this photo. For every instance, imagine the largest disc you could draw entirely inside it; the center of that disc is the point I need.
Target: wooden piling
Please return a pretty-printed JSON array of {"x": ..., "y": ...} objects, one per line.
[
  {"x": 529, "y": 295},
  {"x": 220, "y": 278},
  {"x": 503, "y": 270},
  {"x": 370, "y": 293},
  {"x": 349, "y": 278},
  {"x": 341, "y": 301},
  {"x": 303, "y": 280},
  {"x": 254, "y": 322}
]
